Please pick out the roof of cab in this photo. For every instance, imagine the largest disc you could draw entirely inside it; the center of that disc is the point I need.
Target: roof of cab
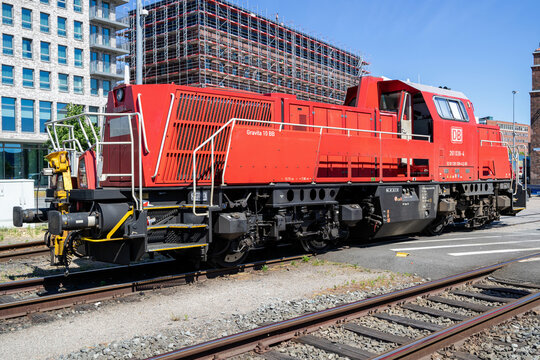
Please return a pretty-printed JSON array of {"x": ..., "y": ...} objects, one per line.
[{"x": 436, "y": 90}]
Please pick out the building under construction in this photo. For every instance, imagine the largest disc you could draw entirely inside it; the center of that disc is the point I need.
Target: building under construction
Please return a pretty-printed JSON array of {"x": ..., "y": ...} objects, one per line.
[{"x": 216, "y": 43}]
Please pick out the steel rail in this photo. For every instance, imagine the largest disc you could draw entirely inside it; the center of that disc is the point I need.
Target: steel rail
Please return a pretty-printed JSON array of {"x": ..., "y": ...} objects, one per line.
[
  {"x": 260, "y": 339},
  {"x": 22, "y": 250},
  {"x": 69, "y": 298},
  {"x": 448, "y": 336}
]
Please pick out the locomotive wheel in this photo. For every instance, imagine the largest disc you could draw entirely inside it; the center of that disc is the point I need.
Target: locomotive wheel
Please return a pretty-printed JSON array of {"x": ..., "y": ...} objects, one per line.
[
  {"x": 315, "y": 245},
  {"x": 227, "y": 254},
  {"x": 436, "y": 228}
]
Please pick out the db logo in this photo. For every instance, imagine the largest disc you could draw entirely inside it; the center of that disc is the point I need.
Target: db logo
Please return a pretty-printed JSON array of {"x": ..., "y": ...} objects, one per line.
[{"x": 457, "y": 135}]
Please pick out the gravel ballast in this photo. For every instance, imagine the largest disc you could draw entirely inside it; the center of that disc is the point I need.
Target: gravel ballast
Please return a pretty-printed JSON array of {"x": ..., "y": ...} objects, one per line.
[{"x": 166, "y": 320}]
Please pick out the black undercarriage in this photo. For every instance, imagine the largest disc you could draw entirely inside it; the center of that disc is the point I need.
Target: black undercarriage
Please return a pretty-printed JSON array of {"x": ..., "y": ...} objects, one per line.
[{"x": 105, "y": 225}]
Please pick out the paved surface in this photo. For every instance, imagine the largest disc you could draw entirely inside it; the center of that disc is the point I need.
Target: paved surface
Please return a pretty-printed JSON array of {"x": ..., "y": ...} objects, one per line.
[{"x": 457, "y": 251}]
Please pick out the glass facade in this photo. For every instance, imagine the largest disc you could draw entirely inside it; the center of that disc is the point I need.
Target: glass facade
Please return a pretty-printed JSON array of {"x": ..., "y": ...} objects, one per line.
[{"x": 22, "y": 161}]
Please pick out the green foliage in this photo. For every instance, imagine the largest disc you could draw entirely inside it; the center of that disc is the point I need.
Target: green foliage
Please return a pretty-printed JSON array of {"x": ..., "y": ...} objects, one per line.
[
  {"x": 264, "y": 268},
  {"x": 305, "y": 258},
  {"x": 63, "y": 132}
]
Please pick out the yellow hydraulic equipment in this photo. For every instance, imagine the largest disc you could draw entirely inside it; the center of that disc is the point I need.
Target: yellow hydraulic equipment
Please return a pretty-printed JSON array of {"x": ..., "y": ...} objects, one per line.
[{"x": 59, "y": 162}]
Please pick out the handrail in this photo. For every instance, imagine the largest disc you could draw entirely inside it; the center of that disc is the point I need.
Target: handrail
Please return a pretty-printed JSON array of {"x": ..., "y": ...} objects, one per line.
[
  {"x": 141, "y": 119},
  {"x": 99, "y": 143},
  {"x": 281, "y": 124},
  {"x": 163, "y": 137}
]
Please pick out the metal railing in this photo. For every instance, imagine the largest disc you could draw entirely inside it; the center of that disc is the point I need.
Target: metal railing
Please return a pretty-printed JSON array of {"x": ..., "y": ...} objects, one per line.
[
  {"x": 232, "y": 123},
  {"x": 97, "y": 143},
  {"x": 514, "y": 155}
]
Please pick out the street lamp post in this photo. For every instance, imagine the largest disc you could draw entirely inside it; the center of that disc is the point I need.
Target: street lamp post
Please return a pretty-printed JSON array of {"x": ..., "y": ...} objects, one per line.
[{"x": 515, "y": 158}]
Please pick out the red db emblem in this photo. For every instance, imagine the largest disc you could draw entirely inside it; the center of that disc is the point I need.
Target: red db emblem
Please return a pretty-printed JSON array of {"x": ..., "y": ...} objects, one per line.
[{"x": 457, "y": 135}]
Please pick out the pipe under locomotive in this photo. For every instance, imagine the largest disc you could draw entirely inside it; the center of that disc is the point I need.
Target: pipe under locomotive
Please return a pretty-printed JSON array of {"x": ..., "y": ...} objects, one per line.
[{"x": 210, "y": 174}]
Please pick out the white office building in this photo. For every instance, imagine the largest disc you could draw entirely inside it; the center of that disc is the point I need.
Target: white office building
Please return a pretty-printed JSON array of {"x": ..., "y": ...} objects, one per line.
[{"x": 52, "y": 53}]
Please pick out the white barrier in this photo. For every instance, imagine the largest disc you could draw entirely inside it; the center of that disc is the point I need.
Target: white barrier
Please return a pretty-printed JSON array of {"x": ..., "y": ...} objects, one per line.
[{"x": 16, "y": 192}]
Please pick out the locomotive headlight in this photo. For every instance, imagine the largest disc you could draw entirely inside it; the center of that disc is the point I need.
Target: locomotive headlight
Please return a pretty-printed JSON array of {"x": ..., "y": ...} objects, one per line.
[{"x": 119, "y": 94}]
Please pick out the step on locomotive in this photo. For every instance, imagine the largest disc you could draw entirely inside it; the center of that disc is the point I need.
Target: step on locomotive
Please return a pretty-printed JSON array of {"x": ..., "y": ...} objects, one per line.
[{"x": 211, "y": 173}]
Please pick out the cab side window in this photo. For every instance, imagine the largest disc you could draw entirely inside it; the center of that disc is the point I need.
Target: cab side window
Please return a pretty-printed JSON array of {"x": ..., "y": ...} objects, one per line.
[{"x": 450, "y": 109}]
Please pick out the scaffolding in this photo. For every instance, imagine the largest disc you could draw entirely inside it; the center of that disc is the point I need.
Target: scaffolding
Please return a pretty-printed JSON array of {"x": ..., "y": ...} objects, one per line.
[{"x": 217, "y": 43}]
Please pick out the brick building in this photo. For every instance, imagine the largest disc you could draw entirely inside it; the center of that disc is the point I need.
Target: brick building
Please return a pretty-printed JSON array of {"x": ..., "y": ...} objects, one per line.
[{"x": 535, "y": 118}]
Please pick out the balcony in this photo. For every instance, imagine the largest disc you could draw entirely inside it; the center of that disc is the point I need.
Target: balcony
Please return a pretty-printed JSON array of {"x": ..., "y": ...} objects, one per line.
[
  {"x": 106, "y": 70},
  {"x": 100, "y": 43},
  {"x": 105, "y": 16}
]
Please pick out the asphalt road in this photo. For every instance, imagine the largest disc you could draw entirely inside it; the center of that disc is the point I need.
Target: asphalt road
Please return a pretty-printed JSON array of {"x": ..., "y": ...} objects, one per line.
[{"x": 456, "y": 251}]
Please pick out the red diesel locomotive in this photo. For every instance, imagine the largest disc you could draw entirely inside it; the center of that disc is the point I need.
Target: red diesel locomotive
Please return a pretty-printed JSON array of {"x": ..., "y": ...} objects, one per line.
[{"x": 213, "y": 173}]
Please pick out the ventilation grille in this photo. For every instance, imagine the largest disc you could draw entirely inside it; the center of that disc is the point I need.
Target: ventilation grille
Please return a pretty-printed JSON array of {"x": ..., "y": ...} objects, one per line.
[{"x": 199, "y": 116}]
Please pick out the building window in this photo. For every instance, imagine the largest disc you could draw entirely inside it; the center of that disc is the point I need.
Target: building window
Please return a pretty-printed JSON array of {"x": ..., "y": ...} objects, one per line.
[
  {"x": 94, "y": 87},
  {"x": 78, "y": 57},
  {"x": 27, "y": 48},
  {"x": 93, "y": 34},
  {"x": 45, "y": 51},
  {"x": 45, "y": 110},
  {"x": 7, "y": 44},
  {"x": 44, "y": 23},
  {"x": 62, "y": 28},
  {"x": 63, "y": 84},
  {"x": 7, "y": 75},
  {"x": 106, "y": 36},
  {"x": 106, "y": 63},
  {"x": 62, "y": 55},
  {"x": 8, "y": 114},
  {"x": 106, "y": 87},
  {"x": 93, "y": 118},
  {"x": 105, "y": 10},
  {"x": 77, "y": 5},
  {"x": 26, "y": 17},
  {"x": 77, "y": 30},
  {"x": 61, "y": 4},
  {"x": 27, "y": 115},
  {"x": 28, "y": 77},
  {"x": 78, "y": 84},
  {"x": 44, "y": 1},
  {"x": 45, "y": 80},
  {"x": 61, "y": 110},
  {"x": 7, "y": 14}
]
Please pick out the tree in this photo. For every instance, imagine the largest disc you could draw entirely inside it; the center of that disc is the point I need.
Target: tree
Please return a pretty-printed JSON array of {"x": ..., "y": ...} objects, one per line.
[{"x": 63, "y": 133}]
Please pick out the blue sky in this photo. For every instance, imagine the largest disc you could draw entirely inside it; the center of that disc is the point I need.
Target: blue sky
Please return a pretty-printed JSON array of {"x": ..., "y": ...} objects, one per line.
[{"x": 480, "y": 47}]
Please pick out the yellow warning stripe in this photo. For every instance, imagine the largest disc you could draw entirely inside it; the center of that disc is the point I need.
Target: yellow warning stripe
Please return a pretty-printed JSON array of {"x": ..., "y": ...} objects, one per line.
[
  {"x": 100, "y": 240},
  {"x": 157, "y": 227},
  {"x": 181, "y": 247},
  {"x": 122, "y": 220}
]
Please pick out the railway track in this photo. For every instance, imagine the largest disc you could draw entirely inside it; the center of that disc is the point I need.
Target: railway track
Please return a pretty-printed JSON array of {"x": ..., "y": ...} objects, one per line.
[
  {"x": 467, "y": 302},
  {"x": 22, "y": 250},
  {"x": 24, "y": 297}
]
